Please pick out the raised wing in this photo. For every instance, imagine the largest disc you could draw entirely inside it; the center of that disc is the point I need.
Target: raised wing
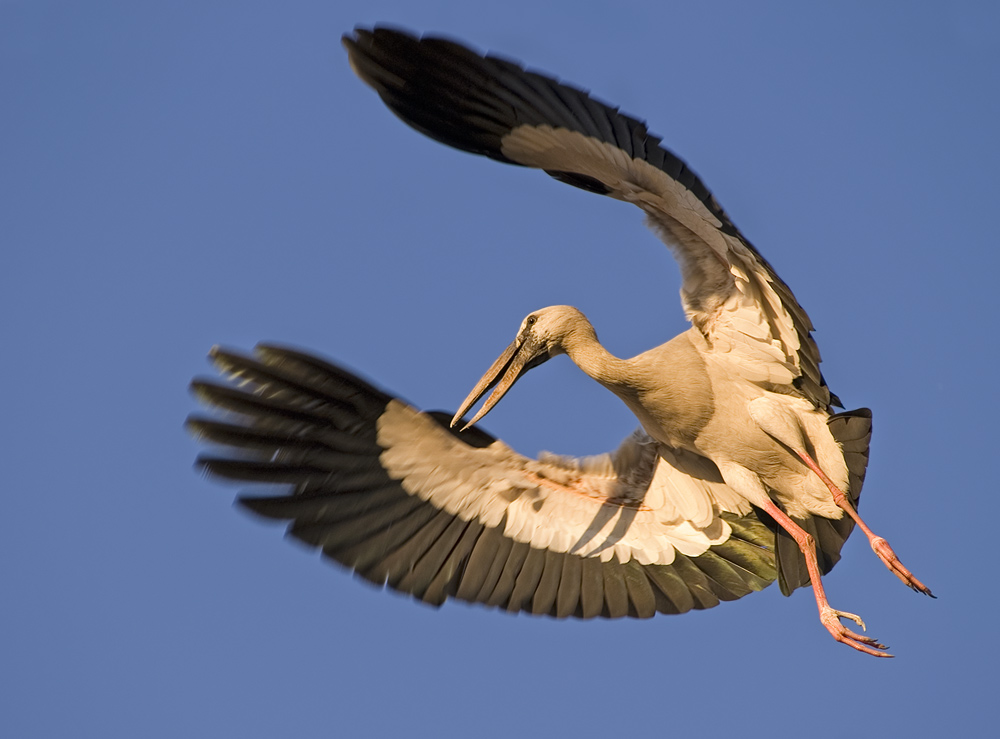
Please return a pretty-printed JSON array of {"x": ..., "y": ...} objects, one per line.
[
  {"x": 394, "y": 495},
  {"x": 491, "y": 106}
]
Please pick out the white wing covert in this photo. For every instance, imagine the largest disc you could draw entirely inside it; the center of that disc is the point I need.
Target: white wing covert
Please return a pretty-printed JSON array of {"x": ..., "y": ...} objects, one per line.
[{"x": 395, "y": 495}]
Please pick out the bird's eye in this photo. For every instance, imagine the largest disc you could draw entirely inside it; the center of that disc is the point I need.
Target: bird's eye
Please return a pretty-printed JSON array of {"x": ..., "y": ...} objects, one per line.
[{"x": 530, "y": 321}]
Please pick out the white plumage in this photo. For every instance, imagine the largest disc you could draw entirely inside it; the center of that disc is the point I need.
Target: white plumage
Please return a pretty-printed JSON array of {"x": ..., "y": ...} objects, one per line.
[{"x": 739, "y": 451}]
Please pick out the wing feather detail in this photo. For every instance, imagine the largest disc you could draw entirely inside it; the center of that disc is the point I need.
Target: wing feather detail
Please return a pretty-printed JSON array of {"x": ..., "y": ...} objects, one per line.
[
  {"x": 404, "y": 501},
  {"x": 494, "y": 107}
]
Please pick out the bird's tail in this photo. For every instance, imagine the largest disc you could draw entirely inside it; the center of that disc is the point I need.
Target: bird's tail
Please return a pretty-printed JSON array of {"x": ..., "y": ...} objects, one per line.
[{"x": 853, "y": 431}]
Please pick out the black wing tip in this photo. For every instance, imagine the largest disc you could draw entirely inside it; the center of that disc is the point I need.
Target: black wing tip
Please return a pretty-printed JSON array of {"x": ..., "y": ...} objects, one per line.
[
  {"x": 371, "y": 42},
  {"x": 365, "y": 37},
  {"x": 269, "y": 353},
  {"x": 269, "y": 507},
  {"x": 206, "y": 389},
  {"x": 229, "y": 393},
  {"x": 200, "y": 428},
  {"x": 467, "y": 99}
]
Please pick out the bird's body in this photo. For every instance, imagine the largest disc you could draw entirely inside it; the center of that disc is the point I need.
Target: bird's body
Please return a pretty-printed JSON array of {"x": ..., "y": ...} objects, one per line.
[
  {"x": 686, "y": 399},
  {"x": 674, "y": 406},
  {"x": 741, "y": 472}
]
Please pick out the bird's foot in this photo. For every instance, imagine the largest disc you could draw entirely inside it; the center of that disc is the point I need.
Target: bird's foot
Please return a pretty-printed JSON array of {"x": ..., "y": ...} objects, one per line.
[
  {"x": 830, "y": 618},
  {"x": 881, "y": 547}
]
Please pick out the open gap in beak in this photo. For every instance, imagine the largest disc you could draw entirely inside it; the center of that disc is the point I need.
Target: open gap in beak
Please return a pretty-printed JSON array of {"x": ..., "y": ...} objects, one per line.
[{"x": 516, "y": 359}]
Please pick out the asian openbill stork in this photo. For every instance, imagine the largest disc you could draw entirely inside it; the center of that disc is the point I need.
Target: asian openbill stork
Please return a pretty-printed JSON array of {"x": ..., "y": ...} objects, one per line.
[{"x": 740, "y": 474}]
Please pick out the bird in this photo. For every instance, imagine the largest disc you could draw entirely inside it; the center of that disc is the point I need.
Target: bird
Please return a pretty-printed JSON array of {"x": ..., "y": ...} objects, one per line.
[{"x": 742, "y": 471}]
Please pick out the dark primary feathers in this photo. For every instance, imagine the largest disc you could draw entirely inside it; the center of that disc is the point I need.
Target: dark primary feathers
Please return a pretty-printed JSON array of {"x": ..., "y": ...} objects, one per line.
[
  {"x": 670, "y": 521},
  {"x": 490, "y": 106},
  {"x": 471, "y": 102},
  {"x": 295, "y": 420}
]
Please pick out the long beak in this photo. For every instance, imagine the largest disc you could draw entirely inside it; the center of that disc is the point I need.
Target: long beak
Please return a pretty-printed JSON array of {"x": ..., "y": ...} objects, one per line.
[{"x": 516, "y": 359}]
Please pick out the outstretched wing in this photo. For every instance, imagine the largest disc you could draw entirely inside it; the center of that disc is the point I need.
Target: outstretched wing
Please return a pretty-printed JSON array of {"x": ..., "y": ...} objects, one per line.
[
  {"x": 396, "y": 496},
  {"x": 491, "y": 106}
]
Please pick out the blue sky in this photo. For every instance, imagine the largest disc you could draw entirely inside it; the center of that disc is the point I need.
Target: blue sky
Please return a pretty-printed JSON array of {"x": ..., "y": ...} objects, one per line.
[{"x": 176, "y": 175}]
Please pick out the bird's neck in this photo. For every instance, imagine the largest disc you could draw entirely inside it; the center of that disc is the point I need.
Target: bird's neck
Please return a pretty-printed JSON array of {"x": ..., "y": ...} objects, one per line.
[{"x": 597, "y": 362}]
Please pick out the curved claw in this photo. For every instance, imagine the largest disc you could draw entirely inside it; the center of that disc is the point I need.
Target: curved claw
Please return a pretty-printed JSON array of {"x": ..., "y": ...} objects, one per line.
[
  {"x": 853, "y": 616},
  {"x": 830, "y": 618}
]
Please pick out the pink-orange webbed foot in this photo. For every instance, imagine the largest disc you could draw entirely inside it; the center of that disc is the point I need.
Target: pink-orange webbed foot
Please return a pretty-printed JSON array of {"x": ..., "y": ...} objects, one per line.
[
  {"x": 881, "y": 547},
  {"x": 830, "y": 618}
]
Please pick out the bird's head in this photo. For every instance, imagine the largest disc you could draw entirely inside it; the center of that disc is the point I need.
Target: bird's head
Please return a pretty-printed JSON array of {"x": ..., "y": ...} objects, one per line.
[{"x": 543, "y": 334}]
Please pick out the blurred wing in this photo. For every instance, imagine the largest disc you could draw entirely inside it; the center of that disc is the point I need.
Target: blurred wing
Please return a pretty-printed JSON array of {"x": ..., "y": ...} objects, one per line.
[
  {"x": 490, "y": 106},
  {"x": 395, "y": 495}
]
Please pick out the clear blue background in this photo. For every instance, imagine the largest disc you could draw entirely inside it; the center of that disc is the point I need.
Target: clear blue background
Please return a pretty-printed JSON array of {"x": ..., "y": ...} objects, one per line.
[{"x": 175, "y": 175}]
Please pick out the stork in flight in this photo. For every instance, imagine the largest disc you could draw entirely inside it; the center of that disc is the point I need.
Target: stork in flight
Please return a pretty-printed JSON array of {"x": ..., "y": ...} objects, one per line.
[{"x": 740, "y": 473}]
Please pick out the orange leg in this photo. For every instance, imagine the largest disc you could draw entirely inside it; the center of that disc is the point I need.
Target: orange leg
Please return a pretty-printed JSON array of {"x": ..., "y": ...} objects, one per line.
[
  {"x": 879, "y": 545},
  {"x": 829, "y": 617}
]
